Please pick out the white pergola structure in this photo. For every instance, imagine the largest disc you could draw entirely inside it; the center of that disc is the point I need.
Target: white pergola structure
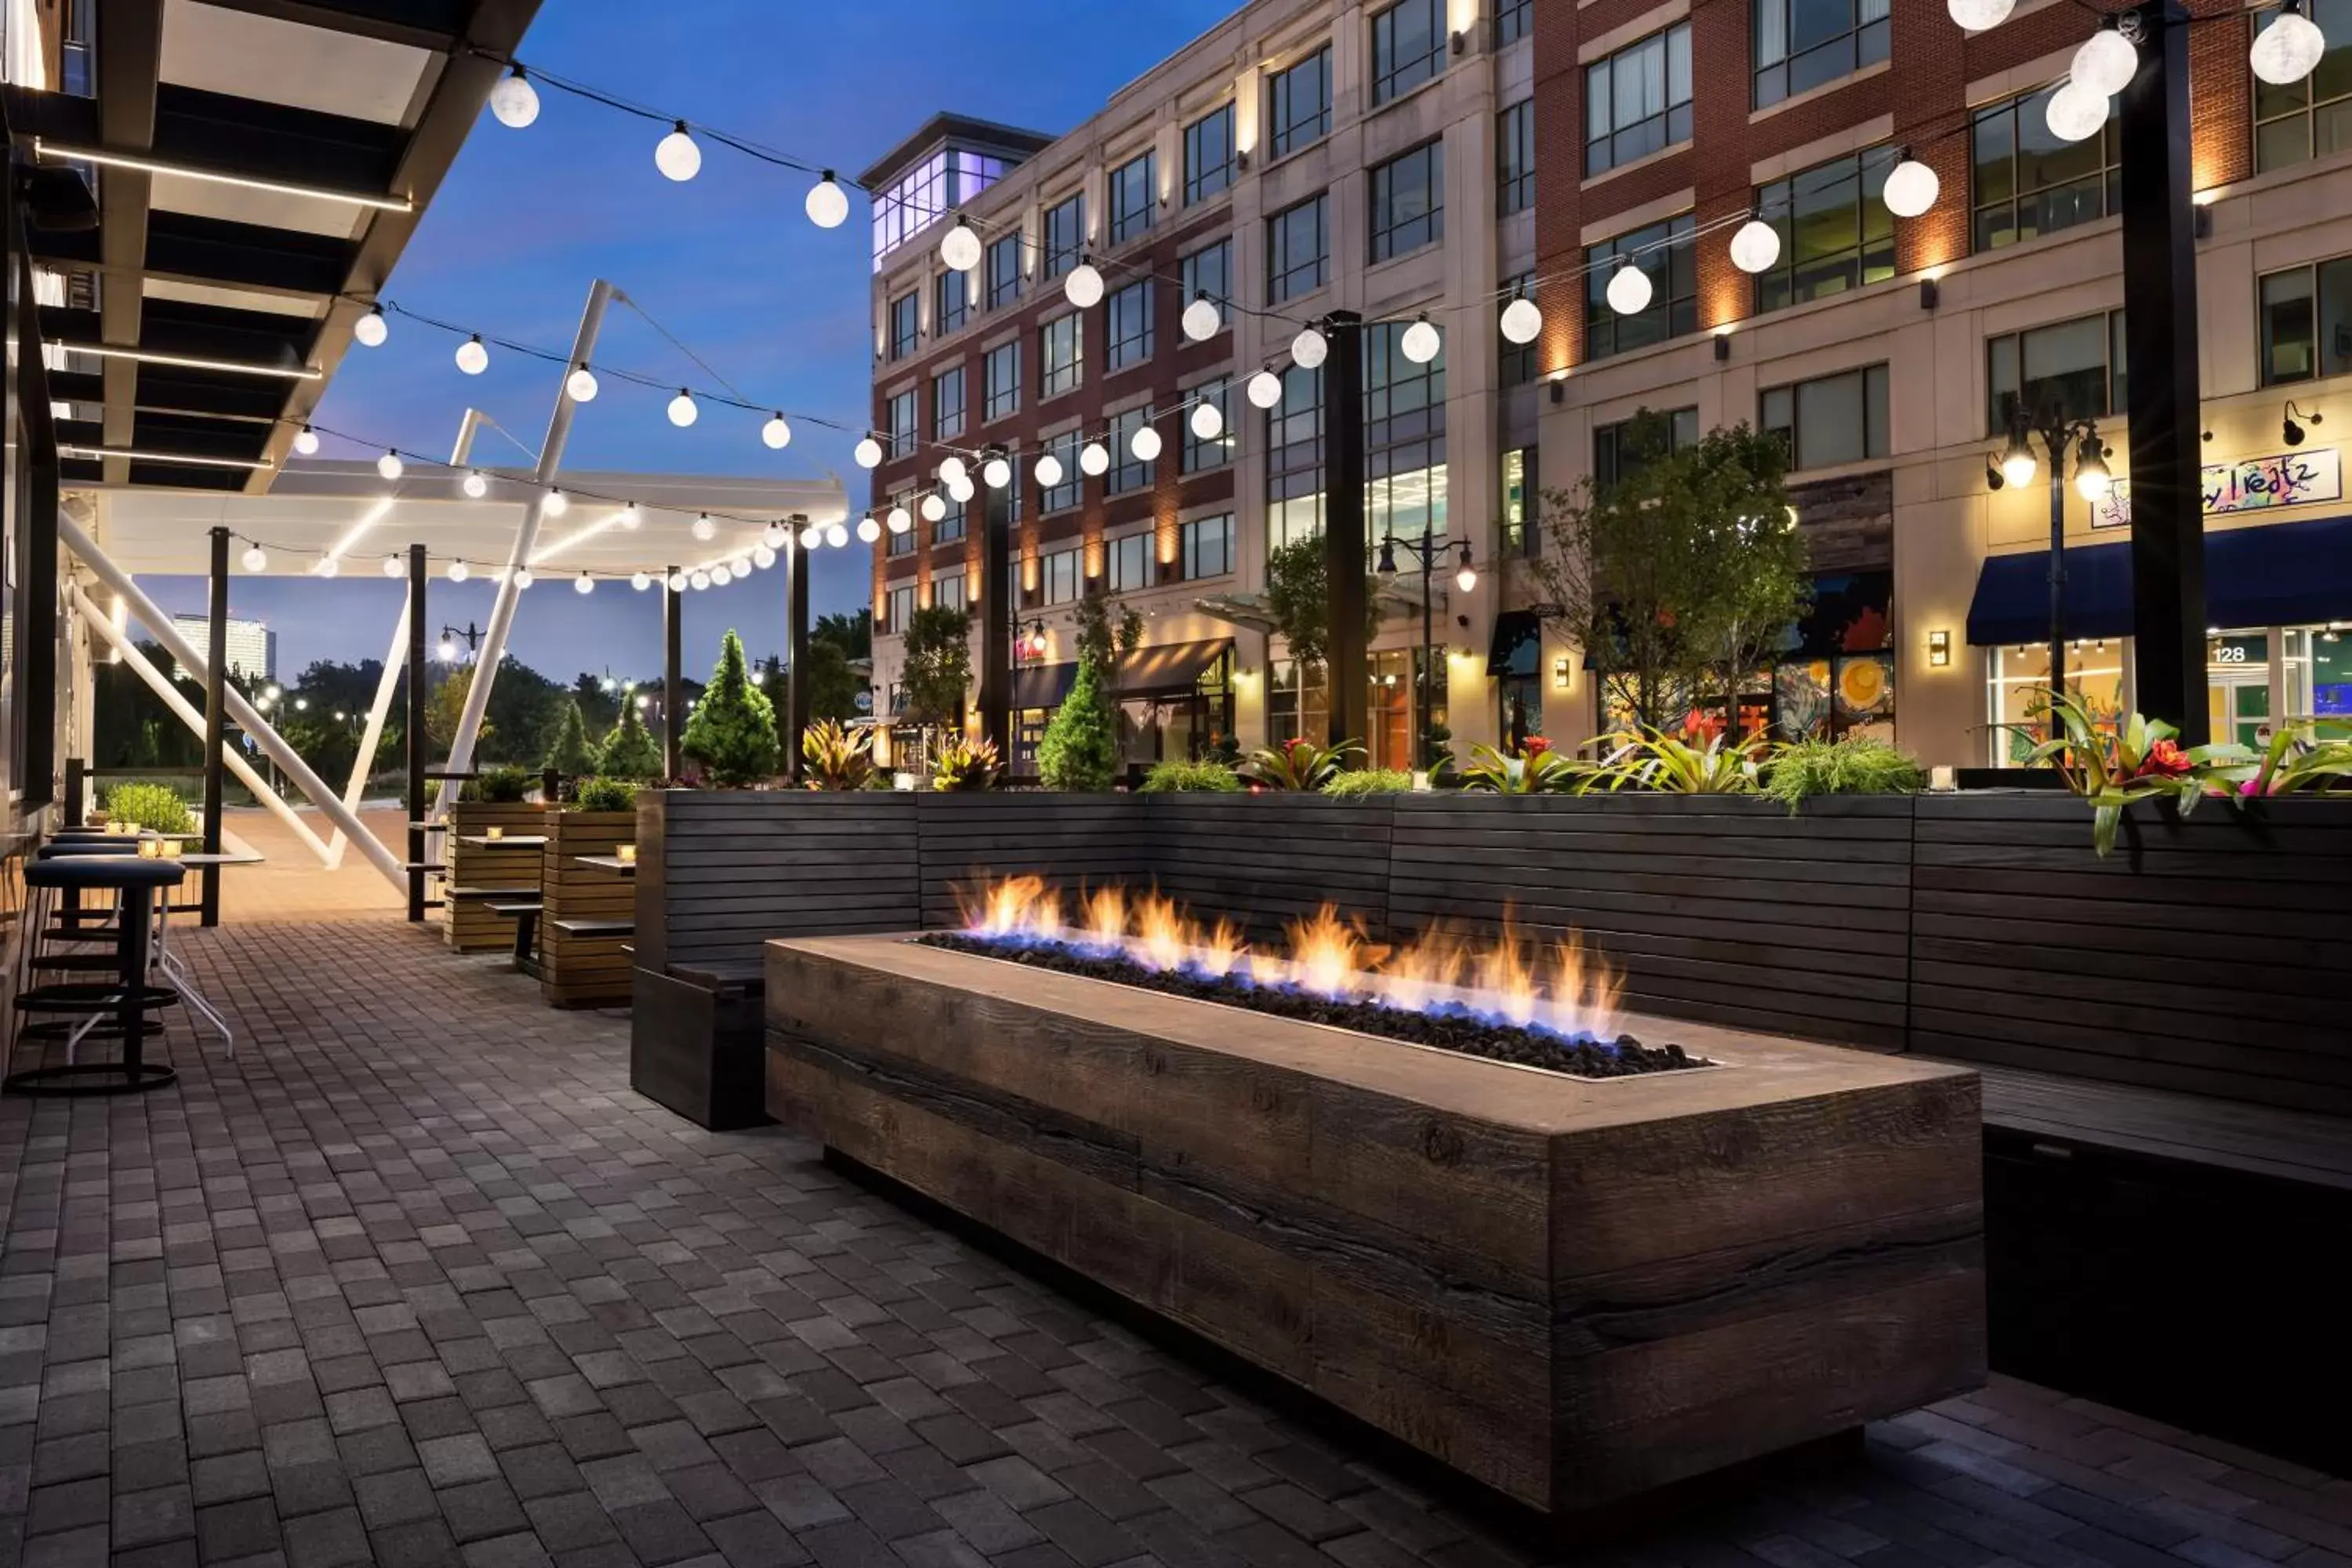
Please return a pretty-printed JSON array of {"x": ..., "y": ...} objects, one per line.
[{"x": 347, "y": 514}]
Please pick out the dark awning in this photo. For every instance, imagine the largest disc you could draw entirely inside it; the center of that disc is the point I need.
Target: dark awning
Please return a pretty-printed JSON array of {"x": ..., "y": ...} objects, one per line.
[
  {"x": 1513, "y": 629},
  {"x": 1043, "y": 685},
  {"x": 1168, "y": 670},
  {"x": 2281, "y": 574}
]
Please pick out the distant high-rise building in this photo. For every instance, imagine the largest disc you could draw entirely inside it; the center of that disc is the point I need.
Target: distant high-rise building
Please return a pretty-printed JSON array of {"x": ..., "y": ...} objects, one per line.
[{"x": 252, "y": 645}]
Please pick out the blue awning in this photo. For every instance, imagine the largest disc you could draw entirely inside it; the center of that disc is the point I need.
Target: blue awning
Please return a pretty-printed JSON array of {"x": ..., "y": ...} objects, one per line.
[{"x": 2279, "y": 574}]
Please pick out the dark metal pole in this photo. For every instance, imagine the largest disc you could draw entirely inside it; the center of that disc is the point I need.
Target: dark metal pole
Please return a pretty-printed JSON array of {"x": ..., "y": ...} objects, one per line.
[
  {"x": 216, "y": 722},
  {"x": 419, "y": 742},
  {"x": 2167, "y": 514},
  {"x": 1350, "y": 673},
  {"x": 1428, "y": 635},
  {"x": 797, "y": 646},
  {"x": 1000, "y": 622},
  {"x": 2056, "y": 442},
  {"x": 673, "y": 688}
]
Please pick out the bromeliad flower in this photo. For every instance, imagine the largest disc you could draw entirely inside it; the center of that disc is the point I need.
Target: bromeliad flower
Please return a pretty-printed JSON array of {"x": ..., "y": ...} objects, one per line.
[
  {"x": 2164, "y": 759},
  {"x": 1534, "y": 746}
]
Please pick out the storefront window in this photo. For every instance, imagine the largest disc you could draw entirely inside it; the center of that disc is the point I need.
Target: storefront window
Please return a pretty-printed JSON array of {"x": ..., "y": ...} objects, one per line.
[
  {"x": 1293, "y": 712},
  {"x": 2017, "y": 678},
  {"x": 2330, "y": 674}
]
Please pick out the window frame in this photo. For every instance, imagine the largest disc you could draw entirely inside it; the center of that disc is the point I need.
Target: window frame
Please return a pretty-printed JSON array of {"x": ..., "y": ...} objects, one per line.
[
  {"x": 1676, "y": 312},
  {"x": 998, "y": 401},
  {"x": 1070, "y": 493},
  {"x": 2266, "y": 113},
  {"x": 1867, "y": 40},
  {"x": 1003, "y": 292},
  {"x": 1116, "y": 552},
  {"x": 1071, "y": 376},
  {"x": 2020, "y": 115},
  {"x": 1608, "y": 441},
  {"x": 1872, "y": 375},
  {"x": 2114, "y": 371},
  {"x": 1128, "y": 342},
  {"x": 1514, "y": 363},
  {"x": 1515, "y": 157},
  {"x": 1190, "y": 536},
  {"x": 1127, "y": 222},
  {"x": 1293, "y": 133},
  {"x": 1388, "y": 236},
  {"x": 1873, "y": 256},
  {"x": 1205, "y": 180},
  {"x": 1514, "y": 20},
  {"x": 1392, "y": 78},
  {"x": 941, "y": 428},
  {"x": 2324, "y": 331},
  {"x": 1129, "y": 473},
  {"x": 1051, "y": 564},
  {"x": 904, "y": 316},
  {"x": 944, "y": 318},
  {"x": 903, "y": 437},
  {"x": 1278, "y": 290},
  {"x": 1058, "y": 257},
  {"x": 1190, "y": 267},
  {"x": 1219, "y": 391},
  {"x": 1672, "y": 120}
]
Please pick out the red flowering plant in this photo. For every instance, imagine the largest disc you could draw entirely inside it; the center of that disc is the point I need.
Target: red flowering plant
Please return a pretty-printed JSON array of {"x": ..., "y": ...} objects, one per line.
[
  {"x": 1534, "y": 769},
  {"x": 1300, "y": 764},
  {"x": 2318, "y": 759},
  {"x": 2113, "y": 765}
]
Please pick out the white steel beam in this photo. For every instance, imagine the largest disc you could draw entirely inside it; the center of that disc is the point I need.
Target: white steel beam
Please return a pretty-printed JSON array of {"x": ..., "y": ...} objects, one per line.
[{"x": 364, "y": 764}]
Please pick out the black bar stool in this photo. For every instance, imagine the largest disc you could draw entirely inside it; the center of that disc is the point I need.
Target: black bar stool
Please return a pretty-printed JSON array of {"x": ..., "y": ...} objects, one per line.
[{"x": 133, "y": 881}]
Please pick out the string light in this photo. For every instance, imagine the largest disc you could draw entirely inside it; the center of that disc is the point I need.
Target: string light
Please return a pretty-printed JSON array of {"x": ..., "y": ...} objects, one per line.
[
  {"x": 388, "y": 465},
  {"x": 698, "y": 581},
  {"x": 1207, "y": 423},
  {"x": 868, "y": 531},
  {"x": 1048, "y": 469},
  {"x": 556, "y": 504},
  {"x": 721, "y": 575},
  {"x": 328, "y": 567},
  {"x": 961, "y": 492},
  {"x": 2288, "y": 49},
  {"x": 514, "y": 101},
  {"x": 1756, "y": 247},
  {"x": 934, "y": 507},
  {"x": 1310, "y": 349},
  {"x": 677, "y": 582},
  {"x": 473, "y": 484},
  {"x": 459, "y": 570},
  {"x": 641, "y": 581},
  {"x": 997, "y": 473},
  {"x": 306, "y": 441},
  {"x": 1145, "y": 443},
  {"x": 776, "y": 433},
  {"x": 1522, "y": 323},
  {"x": 951, "y": 470},
  {"x": 580, "y": 384},
  {"x": 826, "y": 204},
  {"x": 1084, "y": 285},
  {"x": 677, "y": 157},
  {"x": 959, "y": 247},
  {"x": 392, "y": 566},
  {"x": 523, "y": 578},
  {"x": 836, "y": 535},
  {"x": 1977, "y": 15},
  {"x": 1911, "y": 186},
  {"x": 2106, "y": 62},
  {"x": 472, "y": 357},
  {"x": 255, "y": 559},
  {"x": 763, "y": 557},
  {"x": 1629, "y": 291},
  {"x": 682, "y": 411},
  {"x": 1421, "y": 343},
  {"x": 633, "y": 518},
  {"x": 704, "y": 529},
  {"x": 583, "y": 583},
  {"x": 812, "y": 536},
  {"x": 1094, "y": 459},
  {"x": 868, "y": 453},
  {"x": 370, "y": 330},
  {"x": 2075, "y": 113},
  {"x": 1201, "y": 320},
  {"x": 900, "y": 520},
  {"x": 1265, "y": 389}
]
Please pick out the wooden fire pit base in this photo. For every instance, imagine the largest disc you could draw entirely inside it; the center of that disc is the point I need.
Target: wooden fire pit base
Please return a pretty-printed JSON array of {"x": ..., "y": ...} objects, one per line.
[{"x": 1571, "y": 1291}]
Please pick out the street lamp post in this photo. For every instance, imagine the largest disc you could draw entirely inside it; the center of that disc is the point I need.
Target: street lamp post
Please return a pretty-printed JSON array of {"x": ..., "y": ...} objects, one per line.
[
  {"x": 1426, "y": 550},
  {"x": 2060, "y": 436}
]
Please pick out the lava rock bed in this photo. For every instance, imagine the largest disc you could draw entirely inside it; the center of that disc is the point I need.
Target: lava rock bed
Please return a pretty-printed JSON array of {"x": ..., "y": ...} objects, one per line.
[{"x": 1463, "y": 1031}]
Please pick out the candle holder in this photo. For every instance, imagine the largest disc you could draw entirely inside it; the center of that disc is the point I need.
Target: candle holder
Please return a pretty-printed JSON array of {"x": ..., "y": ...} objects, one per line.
[
  {"x": 627, "y": 853},
  {"x": 150, "y": 849},
  {"x": 494, "y": 832}
]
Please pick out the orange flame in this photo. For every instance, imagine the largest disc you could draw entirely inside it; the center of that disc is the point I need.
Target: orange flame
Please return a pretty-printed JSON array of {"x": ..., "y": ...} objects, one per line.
[
  {"x": 1107, "y": 918},
  {"x": 1508, "y": 978},
  {"x": 1223, "y": 948},
  {"x": 1017, "y": 906},
  {"x": 1162, "y": 934},
  {"x": 1422, "y": 972},
  {"x": 1325, "y": 955}
]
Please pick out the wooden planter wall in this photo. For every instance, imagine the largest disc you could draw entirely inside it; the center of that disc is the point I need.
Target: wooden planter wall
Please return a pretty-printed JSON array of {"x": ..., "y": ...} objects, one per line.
[
  {"x": 467, "y": 924},
  {"x": 585, "y": 971}
]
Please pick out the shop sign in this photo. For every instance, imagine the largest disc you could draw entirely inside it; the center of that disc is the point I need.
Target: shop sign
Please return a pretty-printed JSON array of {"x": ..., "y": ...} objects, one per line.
[{"x": 2250, "y": 484}]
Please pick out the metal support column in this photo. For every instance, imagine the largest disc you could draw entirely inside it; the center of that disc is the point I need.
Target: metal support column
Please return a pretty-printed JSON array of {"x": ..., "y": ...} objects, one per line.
[
  {"x": 796, "y": 646},
  {"x": 1000, "y": 621},
  {"x": 2168, "y": 515},
  {"x": 673, "y": 684},
  {"x": 1349, "y": 666},
  {"x": 419, "y": 840},
  {"x": 215, "y": 722}
]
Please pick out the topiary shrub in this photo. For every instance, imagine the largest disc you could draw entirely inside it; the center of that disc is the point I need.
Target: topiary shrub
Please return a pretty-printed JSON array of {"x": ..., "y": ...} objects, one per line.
[
  {"x": 570, "y": 754},
  {"x": 1367, "y": 782},
  {"x": 1079, "y": 750},
  {"x": 630, "y": 751},
  {"x": 733, "y": 730},
  {"x": 1207, "y": 776},
  {"x": 607, "y": 794},
  {"x": 151, "y": 806},
  {"x": 501, "y": 787}
]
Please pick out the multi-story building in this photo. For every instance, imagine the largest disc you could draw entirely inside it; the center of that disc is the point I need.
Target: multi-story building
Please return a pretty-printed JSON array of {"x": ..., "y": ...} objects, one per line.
[
  {"x": 1302, "y": 157},
  {"x": 252, "y": 645},
  {"x": 1286, "y": 153}
]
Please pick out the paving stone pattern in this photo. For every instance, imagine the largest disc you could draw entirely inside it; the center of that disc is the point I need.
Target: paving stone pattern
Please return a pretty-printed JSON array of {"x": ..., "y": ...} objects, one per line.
[{"x": 418, "y": 1280}]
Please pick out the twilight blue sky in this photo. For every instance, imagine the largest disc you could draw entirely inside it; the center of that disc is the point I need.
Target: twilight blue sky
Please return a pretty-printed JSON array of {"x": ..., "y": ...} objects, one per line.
[{"x": 728, "y": 262}]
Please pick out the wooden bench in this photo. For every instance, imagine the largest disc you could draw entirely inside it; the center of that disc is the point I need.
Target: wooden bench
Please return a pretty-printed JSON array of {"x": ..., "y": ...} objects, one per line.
[
  {"x": 588, "y": 906},
  {"x": 525, "y": 916},
  {"x": 697, "y": 1041},
  {"x": 595, "y": 929}
]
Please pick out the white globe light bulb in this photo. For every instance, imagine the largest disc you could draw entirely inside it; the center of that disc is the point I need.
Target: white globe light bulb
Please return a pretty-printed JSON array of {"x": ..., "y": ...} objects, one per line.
[
  {"x": 1756, "y": 247},
  {"x": 1265, "y": 389},
  {"x": 459, "y": 570},
  {"x": 1094, "y": 458},
  {"x": 763, "y": 557},
  {"x": 868, "y": 452},
  {"x": 1911, "y": 188},
  {"x": 837, "y": 534},
  {"x": 393, "y": 566},
  {"x": 306, "y": 441},
  {"x": 704, "y": 529},
  {"x": 371, "y": 328},
  {"x": 2075, "y": 113},
  {"x": 1145, "y": 443},
  {"x": 721, "y": 575},
  {"x": 868, "y": 531},
  {"x": 951, "y": 470},
  {"x": 960, "y": 491},
  {"x": 2093, "y": 484},
  {"x": 1310, "y": 349},
  {"x": 776, "y": 435},
  {"x": 698, "y": 581},
  {"x": 523, "y": 578},
  {"x": 1084, "y": 285},
  {"x": 933, "y": 507},
  {"x": 1629, "y": 292},
  {"x": 633, "y": 518},
  {"x": 388, "y": 465},
  {"x": 2105, "y": 63},
  {"x": 1522, "y": 321},
  {"x": 900, "y": 520},
  {"x": 677, "y": 157},
  {"x": 1422, "y": 341},
  {"x": 996, "y": 473},
  {"x": 812, "y": 536},
  {"x": 1048, "y": 469},
  {"x": 583, "y": 583},
  {"x": 472, "y": 357},
  {"x": 827, "y": 205},
  {"x": 682, "y": 411},
  {"x": 676, "y": 582},
  {"x": 475, "y": 486},
  {"x": 1208, "y": 423},
  {"x": 1201, "y": 320},
  {"x": 514, "y": 102},
  {"x": 641, "y": 581},
  {"x": 775, "y": 537},
  {"x": 556, "y": 504},
  {"x": 255, "y": 559},
  {"x": 329, "y": 567},
  {"x": 1977, "y": 15},
  {"x": 1466, "y": 579},
  {"x": 960, "y": 248},
  {"x": 2288, "y": 49},
  {"x": 582, "y": 385}
]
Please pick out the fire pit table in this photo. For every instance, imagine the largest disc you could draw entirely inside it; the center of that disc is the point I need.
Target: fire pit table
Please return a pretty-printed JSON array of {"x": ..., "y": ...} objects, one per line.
[{"x": 1572, "y": 1289}]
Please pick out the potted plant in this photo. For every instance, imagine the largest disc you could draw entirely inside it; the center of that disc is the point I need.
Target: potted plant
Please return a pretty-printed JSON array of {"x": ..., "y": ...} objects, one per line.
[
  {"x": 835, "y": 757},
  {"x": 1300, "y": 764}
]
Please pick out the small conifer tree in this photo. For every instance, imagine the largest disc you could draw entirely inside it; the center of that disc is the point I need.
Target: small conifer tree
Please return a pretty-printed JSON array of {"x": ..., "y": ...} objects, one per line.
[
  {"x": 733, "y": 730},
  {"x": 1079, "y": 750},
  {"x": 630, "y": 751},
  {"x": 570, "y": 755}
]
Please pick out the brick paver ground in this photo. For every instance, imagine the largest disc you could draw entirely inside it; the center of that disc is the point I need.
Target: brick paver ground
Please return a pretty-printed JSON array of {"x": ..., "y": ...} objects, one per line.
[{"x": 418, "y": 1280}]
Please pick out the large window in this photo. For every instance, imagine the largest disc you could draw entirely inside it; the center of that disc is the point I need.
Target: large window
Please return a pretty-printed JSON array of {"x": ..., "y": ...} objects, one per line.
[
  {"x": 1616, "y": 451},
  {"x": 1208, "y": 547},
  {"x": 1664, "y": 251},
  {"x": 1297, "y": 250},
  {"x": 901, "y": 543},
  {"x": 1515, "y": 158},
  {"x": 941, "y": 183},
  {"x": 1066, "y": 235},
  {"x": 1003, "y": 271},
  {"x": 1061, "y": 355},
  {"x": 1058, "y": 576},
  {"x": 1200, "y": 456},
  {"x": 1516, "y": 361},
  {"x": 2311, "y": 118},
  {"x": 952, "y": 522},
  {"x": 1805, "y": 44},
  {"x": 1408, "y": 201},
  {"x": 1134, "y": 198},
  {"x": 1514, "y": 20},
  {"x": 1637, "y": 102},
  {"x": 1836, "y": 419},
  {"x": 954, "y": 305},
  {"x": 1128, "y": 333},
  {"x": 1835, "y": 231},
  {"x": 1298, "y": 104},
  {"x": 1000, "y": 375},
  {"x": 2307, "y": 322},
  {"x": 1064, "y": 496},
  {"x": 947, "y": 405},
  {"x": 2026, "y": 182},
  {"x": 905, "y": 325},
  {"x": 1209, "y": 154},
  {"x": 1129, "y": 557},
  {"x": 1522, "y": 503},
  {"x": 1404, "y": 436},
  {"x": 1209, "y": 270},
  {"x": 948, "y": 591},
  {"x": 1408, "y": 46},
  {"x": 1293, "y": 459},
  {"x": 2075, "y": 369},
  {"x": 1127, "y": 471},
  {"x": 901, "y": 426},
  {"x": 902, "y": 608}
]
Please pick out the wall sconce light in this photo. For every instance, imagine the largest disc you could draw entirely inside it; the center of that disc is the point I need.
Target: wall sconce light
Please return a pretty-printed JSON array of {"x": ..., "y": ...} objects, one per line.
[
  {"x": 1994, "y": 479},
  {"x": 1241, "y": 158},
  {"x": 1723, "y": 348},
  {"x": 1930, "y": 294},
  {"x": 2291, "y": 427},
  {"x": 1560, "y": 676},
  {"x": 2201, "y": 222},
  {"x": 1460, "y": 42},
  {"x": 1559, "y": 391},
  {"x": 1940, "y": 650}
]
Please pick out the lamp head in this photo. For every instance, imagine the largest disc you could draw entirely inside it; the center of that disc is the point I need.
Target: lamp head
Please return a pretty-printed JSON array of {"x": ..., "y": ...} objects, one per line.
[{"x": 1388, "y": 566}]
